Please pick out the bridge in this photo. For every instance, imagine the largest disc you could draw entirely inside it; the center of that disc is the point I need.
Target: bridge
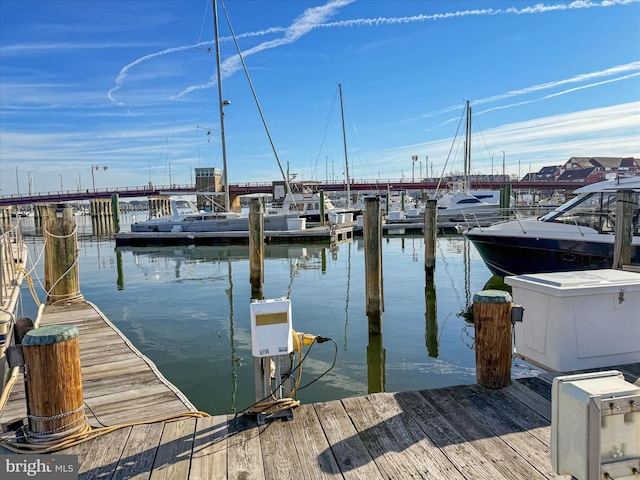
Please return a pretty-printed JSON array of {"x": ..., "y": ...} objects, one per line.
[{"x": 477, "y": 183}]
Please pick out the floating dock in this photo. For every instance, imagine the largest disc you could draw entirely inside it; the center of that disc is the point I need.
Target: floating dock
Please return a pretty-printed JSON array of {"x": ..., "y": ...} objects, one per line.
[
  {"x": 320, "y": 234},
  {"x": 460, "y": 432}
]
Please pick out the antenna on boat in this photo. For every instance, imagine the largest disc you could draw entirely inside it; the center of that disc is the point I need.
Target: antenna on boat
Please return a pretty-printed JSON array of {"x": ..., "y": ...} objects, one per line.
[
  {"x": 221, "y": 104},
  {"x": 467, "y": 150}
]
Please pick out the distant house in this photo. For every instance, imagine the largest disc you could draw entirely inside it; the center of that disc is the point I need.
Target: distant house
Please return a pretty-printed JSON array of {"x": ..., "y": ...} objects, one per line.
[
  {"x": 595, "y": 169},
  {"x": 545, "y": 174},
  {"x": 580, "y": 174}
]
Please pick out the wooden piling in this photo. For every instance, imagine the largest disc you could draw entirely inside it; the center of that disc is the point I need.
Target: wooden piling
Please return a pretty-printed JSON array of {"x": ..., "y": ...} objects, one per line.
[
  {"x": 492, "y": 319},
  {"x": 22, "y": 327},
  {"x": 5, "y": 219},
  {"x": 625, "y": 207},
  {"x": 372, "y": 235},
  {"x": 256, "y": 248},
  {"x": 430, "y": 235},
  {"x": 115, "y": 211},
  {"x": 505, "y": 200},
  {"x": 53, "y": 382},
  {"x": 61, "y": 278},
  {"x": 323, "y": 220}
]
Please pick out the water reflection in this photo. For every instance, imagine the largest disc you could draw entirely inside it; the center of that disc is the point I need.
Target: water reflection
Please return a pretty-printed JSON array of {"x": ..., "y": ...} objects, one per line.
[
  {"x": 375, "y": 364},
  {"x": 431, "y": 319},
  {"x": 187, "y": 308}
]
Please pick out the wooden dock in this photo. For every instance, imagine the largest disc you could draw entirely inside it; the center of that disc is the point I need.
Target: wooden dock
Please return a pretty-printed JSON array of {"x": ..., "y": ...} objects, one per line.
[
  {"x": 318, "y": 234},
  {"x": 463, "y": 432}
]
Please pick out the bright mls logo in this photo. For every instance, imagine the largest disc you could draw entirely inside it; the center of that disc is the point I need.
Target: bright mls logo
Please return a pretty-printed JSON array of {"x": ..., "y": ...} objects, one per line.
[{"x": 52, "y": 467}]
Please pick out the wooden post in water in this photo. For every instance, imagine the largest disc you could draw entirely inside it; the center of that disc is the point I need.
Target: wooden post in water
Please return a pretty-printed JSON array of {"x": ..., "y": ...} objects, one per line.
[
  {"x": 53, "y": 382},
  {"x": 430, "y": 235},
  {"x": 505, "y": 200},
  {"x": 372, "y": 234},
  {"x": 61, "y": 280},
  {"x": 5, "y": 218},
  {"x": 625, "y": 206},
  {"x": 115, "y": 210},
  {"x": 322, "y": 212},
  {"x": 256, "y": 248},
  {"x": 492, "y": 320}
]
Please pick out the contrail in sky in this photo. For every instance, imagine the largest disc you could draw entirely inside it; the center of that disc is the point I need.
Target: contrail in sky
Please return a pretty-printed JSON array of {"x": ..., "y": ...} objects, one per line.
[
  {"x": 584, "y": 77},
  {"x": 316, "y": 17}
]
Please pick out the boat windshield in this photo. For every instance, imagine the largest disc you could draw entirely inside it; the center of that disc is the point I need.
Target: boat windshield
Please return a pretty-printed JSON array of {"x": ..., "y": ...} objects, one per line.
[{"x": 596, "y": 210}]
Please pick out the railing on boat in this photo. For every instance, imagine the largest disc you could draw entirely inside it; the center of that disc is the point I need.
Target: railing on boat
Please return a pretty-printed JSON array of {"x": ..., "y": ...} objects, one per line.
[{"x": 486, "y": 219}]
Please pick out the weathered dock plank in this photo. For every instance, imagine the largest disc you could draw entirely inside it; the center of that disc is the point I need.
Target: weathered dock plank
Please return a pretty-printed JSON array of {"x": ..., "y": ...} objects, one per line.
[
  {"x": 244, "y": 453},
  {"x": 174, "y": 452},
  {"x": 209, "y": 459},
  {"x": 426, "y": 459},
  {"x": 312, "y": 445},
  {"x": 352, "y": 456},
  {"x": 139, "y": 452},
  {"x": 503, "y": 457},
  {"x": 467, "y": 459}
]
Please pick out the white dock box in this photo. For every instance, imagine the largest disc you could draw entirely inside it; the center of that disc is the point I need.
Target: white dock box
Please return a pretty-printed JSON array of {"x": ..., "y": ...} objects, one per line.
[{"x": 578, "y": 320}]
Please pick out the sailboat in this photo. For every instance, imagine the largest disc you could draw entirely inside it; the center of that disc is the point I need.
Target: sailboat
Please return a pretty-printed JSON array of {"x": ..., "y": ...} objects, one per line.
[
  {"x": 461, "y": 204},
  {"x": 188, "y": 218},
  {"x": 304, "y": 196}
]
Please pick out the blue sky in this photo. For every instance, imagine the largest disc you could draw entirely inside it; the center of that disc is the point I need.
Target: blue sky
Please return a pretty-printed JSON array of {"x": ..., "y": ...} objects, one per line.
[{"x": 131, "y": 86}]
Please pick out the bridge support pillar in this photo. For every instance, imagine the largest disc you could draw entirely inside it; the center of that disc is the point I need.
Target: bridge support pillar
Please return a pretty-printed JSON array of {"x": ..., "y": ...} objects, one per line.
[
  {"x": 159, "y": 206},
  {"x": 101, "y": 215}
]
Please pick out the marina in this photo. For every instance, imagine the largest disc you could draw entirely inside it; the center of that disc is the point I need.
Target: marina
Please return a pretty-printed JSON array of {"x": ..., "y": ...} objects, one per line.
[
  {"x": 257, "y": 240},
  {"x": 139, "y": 423}
]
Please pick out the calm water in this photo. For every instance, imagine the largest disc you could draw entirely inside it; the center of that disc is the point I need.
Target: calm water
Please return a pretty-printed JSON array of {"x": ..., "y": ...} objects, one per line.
[{"x": 187, "y": 309}]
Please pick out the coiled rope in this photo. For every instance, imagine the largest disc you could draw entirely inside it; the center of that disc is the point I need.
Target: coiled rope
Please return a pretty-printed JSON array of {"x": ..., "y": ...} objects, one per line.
[{"x": 88, "y": 433}]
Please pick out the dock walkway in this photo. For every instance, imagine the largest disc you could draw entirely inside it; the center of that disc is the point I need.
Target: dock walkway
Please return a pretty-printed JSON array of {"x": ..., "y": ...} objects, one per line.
[{"x": 462, "y": 432}]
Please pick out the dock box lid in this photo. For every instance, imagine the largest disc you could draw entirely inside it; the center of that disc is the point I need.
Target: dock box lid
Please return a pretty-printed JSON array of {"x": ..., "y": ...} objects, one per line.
[{"x": 585, "y": 282}]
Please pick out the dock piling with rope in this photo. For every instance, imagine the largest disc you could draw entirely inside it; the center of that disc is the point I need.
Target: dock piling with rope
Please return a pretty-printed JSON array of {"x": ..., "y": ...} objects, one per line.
[{"x": 62, "y": 282}]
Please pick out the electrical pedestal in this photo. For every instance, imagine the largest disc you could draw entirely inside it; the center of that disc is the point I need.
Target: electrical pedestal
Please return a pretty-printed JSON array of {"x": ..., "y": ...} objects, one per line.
[{"x": 272, "y": 346}]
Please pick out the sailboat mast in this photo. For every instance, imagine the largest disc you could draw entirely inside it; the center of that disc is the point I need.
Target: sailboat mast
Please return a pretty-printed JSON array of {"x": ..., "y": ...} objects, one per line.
[
  {"x": 344, "y": 141},
  {"x": 221, "y": 106},
  {"x": 467, "y": 150}
]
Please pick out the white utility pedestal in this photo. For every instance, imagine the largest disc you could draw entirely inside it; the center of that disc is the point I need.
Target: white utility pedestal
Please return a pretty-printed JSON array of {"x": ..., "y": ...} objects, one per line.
[{"x": 595, "y": 426}]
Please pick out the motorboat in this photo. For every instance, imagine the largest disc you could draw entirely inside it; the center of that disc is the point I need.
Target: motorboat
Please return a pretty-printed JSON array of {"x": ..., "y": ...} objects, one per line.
[
  {"x": 185, "y": 217},
  {"x": 305, "y": 200},
  {"x": 578, "y": 235}
]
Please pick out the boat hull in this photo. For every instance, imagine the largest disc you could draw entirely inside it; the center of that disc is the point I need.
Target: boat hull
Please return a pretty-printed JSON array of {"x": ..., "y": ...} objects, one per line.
[
  {"x": 237, "y": 224},
  {"x": 506, "y": 256}
]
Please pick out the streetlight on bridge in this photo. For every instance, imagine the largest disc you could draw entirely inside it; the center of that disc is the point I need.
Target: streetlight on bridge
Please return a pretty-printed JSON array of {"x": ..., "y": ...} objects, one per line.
[
  {"x": 93, "y": 178},
  {"x": 413, "y": 168},
  {"x": 61, "y": 188}
]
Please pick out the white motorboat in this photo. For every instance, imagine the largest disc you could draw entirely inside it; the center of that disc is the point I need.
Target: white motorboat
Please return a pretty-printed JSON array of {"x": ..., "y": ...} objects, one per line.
[
  {"x": 186, "y": 218},
  {"x": 579, "y": 235}
]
